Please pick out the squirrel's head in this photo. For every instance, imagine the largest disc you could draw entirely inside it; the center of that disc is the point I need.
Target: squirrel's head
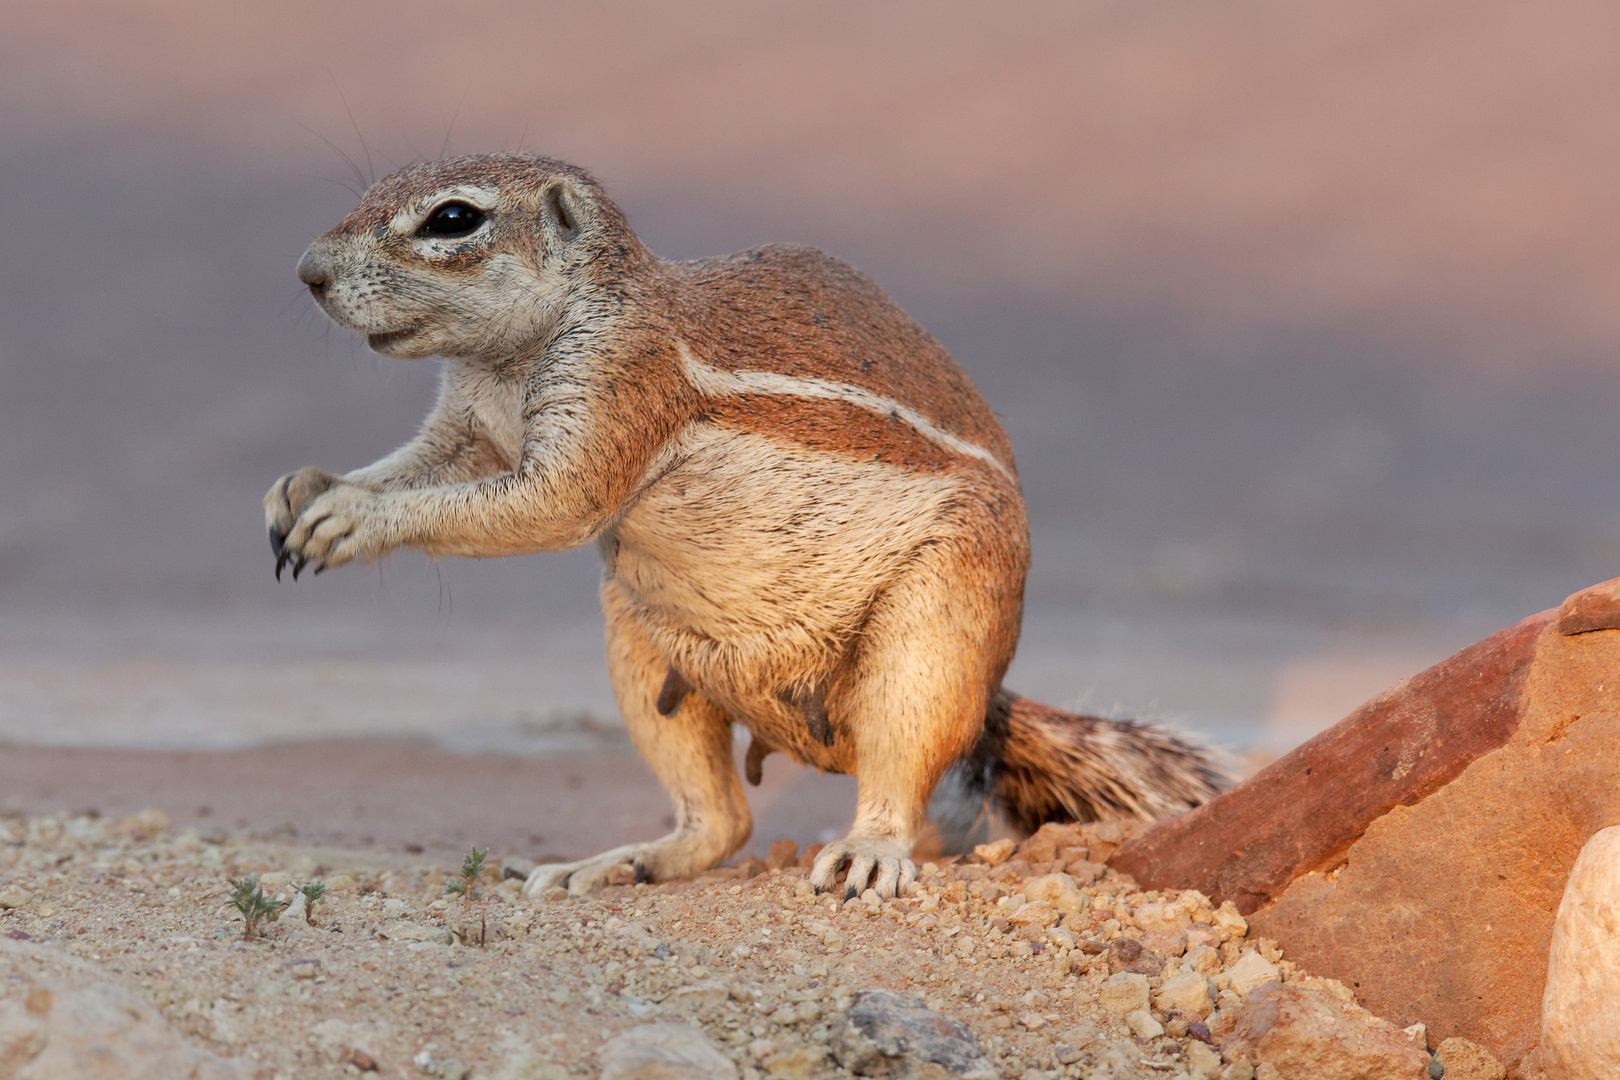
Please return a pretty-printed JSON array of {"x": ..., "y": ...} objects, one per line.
[{"x": 475, "y": 256}]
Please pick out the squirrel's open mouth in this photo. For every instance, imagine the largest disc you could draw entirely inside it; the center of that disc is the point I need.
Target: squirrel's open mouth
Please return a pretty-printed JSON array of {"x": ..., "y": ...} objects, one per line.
[{"x": 381, "y": 341}]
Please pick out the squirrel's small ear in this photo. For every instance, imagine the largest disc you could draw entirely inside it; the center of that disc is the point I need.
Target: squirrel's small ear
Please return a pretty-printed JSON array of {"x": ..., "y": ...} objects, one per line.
[{"x": 565, "y": 208}]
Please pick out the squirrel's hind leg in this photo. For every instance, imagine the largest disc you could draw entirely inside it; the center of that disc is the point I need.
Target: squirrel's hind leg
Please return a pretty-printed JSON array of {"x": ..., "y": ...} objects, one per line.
[
  {"x": 934, "y": 649},
  {"x": 689, "y": 750}
]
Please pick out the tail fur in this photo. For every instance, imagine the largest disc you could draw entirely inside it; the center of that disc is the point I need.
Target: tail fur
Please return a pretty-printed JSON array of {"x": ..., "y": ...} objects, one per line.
[{"x": 1042, "y": 764}]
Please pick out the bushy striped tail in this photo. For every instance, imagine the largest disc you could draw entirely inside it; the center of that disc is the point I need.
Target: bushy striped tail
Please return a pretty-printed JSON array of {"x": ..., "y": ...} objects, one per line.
[{"x": 1041, "y": 764}]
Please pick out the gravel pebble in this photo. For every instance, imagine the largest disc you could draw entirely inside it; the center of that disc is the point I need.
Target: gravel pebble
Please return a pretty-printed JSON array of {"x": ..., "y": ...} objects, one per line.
[
  {"x": 1250, "y": 973},
  {"x": 1142, "y": 1024},
  {"x": 1124, "y": 992},
  {"x": 1187, "y": 992}
]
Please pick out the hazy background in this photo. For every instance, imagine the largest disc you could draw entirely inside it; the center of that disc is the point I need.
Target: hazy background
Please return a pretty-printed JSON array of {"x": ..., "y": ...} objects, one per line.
[{"x": 1302, "y": 318}]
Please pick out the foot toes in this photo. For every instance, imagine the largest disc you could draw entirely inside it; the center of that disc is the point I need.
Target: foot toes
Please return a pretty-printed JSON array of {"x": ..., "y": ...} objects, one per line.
[
  {"x": 546, "y": 877},
  {"x": 583, "y": 883},
  {"x": 887, "y": 883},
  {"x": 888, "y": 872},
  {"x": 824, "y": 874},
  {"x": 860, "y": 873}
]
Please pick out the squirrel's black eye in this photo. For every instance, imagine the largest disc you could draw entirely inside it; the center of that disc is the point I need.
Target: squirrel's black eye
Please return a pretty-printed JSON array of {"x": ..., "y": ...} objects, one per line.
[{"x": 453, "y": 219}]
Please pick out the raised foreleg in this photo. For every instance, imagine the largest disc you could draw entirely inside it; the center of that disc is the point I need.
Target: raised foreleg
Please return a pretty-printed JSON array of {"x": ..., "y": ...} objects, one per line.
[
  {"x": 591, "y": 431},
  {"x": 456, "y": 444}
]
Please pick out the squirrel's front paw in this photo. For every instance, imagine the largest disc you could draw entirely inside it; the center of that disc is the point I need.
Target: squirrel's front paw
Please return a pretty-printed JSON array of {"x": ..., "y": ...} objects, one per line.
[
  {"x": 342, "y": 523},
  {"x": 285, "y": 500}
]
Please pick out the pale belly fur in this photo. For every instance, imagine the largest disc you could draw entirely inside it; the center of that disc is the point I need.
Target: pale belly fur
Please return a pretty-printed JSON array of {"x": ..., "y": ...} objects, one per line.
[{"x": 753, "y": 563}]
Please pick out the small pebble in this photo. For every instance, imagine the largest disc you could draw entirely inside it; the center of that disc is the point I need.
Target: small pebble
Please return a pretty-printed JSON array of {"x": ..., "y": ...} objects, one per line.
[{"x": 1143, "y": 1025}]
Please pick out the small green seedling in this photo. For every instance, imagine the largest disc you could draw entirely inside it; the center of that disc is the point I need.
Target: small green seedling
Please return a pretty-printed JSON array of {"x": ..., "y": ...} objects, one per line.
[
  {"x": 472, "y": 868},
  {"x": 314, "y": 893},
  {"x": 248, "y": 898}
]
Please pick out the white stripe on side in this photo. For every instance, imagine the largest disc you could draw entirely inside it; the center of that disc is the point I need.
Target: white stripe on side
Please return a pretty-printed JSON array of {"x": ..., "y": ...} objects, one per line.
[{"x": 712, "y": 382}]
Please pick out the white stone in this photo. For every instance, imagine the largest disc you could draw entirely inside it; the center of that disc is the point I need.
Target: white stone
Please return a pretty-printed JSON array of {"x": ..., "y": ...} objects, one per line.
[
  {"x": 14, "y": 896},
  {"x": 1579, "y": 1037},
  {"x": 1251, "y": 972}
]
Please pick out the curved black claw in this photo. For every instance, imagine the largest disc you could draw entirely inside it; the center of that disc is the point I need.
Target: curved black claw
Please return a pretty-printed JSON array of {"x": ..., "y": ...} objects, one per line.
[
  {"x": 641, "y": 872},
  {"x": 299, "y": 566},
  {"x": 849, "y": 894},
  {"x": 281, "y": 561},
  {"x": 278, "y": 542},
  {"x": 321, "y": 569}
]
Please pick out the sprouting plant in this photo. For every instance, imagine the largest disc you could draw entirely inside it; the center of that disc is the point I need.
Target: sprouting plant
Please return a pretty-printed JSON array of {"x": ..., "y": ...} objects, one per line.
[
  {"x": 314, "y": 893},
  {"x": 472, "y": 868},
  {"x": 248, "y": 898}
]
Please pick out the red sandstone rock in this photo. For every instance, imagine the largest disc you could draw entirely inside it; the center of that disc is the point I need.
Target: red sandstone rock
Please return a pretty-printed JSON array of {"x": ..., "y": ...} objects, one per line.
[
  {"x": 1418, "y": 851},
  {"x": 1303, "y": 811},
  {"x": 1464, "y": 1060},
  {"x": 1597, "y": 608},
  {"x": 783, "y": 853},
  {"x": 1311, "y": 1033}
]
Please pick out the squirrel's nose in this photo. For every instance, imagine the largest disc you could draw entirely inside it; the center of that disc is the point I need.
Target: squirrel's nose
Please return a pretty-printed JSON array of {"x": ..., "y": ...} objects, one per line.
[{"x": 314, "y": 269}]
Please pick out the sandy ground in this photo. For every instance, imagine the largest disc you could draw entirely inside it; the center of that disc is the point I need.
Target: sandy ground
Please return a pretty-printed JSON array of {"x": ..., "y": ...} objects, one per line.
[
  {"x": 395, "y": 978},
  {"x": 405, "y": 797}
]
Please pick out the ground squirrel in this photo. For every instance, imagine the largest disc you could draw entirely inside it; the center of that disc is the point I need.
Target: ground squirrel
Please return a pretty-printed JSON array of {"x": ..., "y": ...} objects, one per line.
[{"x": 808, "y": 517}]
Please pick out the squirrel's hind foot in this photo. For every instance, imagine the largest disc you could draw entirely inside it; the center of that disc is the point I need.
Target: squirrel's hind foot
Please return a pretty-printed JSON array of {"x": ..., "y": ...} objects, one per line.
[
  {"x": 883, "y": 862},
  {"x": 672, "y": 858}
]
